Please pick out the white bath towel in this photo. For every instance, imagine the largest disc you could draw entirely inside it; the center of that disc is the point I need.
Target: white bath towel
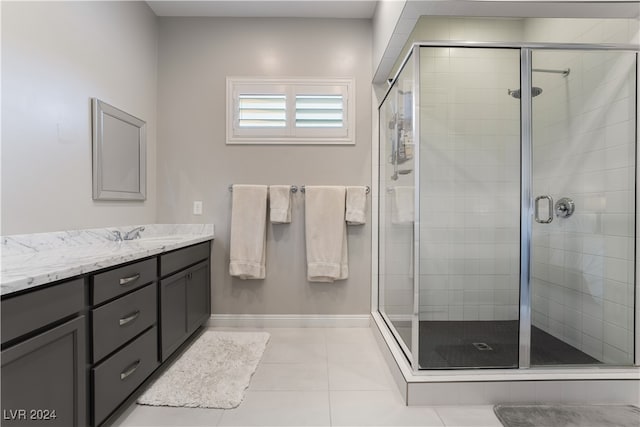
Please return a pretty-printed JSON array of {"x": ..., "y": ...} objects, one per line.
[
  {"x": 402, "y": 205},
  {"x": 248, "y": 231},
  {"x": 356, "y": 205},
  {"x": 280, "y": 204},
  {"x": 326, "y": 234}
]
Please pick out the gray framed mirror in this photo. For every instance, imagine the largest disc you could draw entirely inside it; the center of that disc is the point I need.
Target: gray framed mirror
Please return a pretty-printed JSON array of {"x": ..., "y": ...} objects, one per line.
[{"x": 119, "y": 154}]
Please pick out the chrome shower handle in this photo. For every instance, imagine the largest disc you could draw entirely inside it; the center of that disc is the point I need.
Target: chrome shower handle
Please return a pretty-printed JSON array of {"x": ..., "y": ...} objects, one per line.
[{"x": 537, "y": 209}]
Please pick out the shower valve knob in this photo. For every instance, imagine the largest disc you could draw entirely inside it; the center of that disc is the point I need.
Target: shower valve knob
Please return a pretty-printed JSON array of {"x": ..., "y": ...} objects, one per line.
[{"x": 564, "y": 207}]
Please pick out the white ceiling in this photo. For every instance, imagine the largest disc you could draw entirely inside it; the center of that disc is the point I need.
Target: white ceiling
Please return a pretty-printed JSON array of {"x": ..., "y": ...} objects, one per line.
[{"x": 267, "y": 8}]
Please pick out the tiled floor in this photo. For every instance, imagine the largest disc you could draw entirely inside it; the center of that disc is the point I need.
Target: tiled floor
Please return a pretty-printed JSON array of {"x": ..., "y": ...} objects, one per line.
[{"x": 317, "y": 377}]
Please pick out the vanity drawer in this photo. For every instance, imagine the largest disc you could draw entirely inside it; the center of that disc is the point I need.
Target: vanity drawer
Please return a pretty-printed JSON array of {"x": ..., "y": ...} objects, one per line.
[
  {"x": 181, "y": 258},
  {"x": 118, "y": 376},
  {"x": 114, "y": 282},
  {"x": 120, "y": 320},
  {"x": 27, "y": 312}
]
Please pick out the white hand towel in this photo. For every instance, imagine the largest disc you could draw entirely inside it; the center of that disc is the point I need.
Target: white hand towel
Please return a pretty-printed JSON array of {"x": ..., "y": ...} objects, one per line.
[
  {"x": 248, "y": 231},
  {"x": 356, "y": 205},
  {"x": 280, "y": 204},
  {"x": 326, "y": 234},
  {"x": 402, "y": 205}
]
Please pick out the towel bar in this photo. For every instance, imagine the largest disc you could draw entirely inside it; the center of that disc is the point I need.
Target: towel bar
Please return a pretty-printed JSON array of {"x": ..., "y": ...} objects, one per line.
[
  {"x": 294, "y": 188},
  {"x": 367, "y": 191}
]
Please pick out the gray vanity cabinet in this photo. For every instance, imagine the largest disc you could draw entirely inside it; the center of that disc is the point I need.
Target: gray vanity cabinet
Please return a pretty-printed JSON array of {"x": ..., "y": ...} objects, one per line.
[
  {"x": 184, "y": 295},
  {"x": 44, "y": 357},
  {"x": 173, "y": 313},
  {"x": 124, "y": 336},
  {"x": 78, "y": 351},
  {"x": 198, "y": 296},
  {"x": 184, "y": 306},
  {"x": 119, "y": 375}
]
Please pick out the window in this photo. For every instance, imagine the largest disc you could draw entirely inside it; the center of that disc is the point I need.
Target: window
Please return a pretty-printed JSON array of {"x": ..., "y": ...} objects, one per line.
[{"x": 290, "y": 111}]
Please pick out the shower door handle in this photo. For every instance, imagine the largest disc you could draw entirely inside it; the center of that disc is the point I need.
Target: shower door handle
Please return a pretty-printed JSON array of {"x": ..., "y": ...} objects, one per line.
[{"x": 549, "y": 200}]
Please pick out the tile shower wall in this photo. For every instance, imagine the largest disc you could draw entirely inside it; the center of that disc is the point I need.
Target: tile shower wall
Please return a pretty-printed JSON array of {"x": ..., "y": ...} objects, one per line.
[
  {"x": 397, "y": 270},
  {"x": 584, "y": 131},
  {"x": 469, "y": 173},
  {"x": 470, "y": 184}
]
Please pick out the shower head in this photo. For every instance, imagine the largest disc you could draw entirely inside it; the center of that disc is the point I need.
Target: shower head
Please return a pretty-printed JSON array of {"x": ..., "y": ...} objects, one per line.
[{"x": 535, "y": 91}]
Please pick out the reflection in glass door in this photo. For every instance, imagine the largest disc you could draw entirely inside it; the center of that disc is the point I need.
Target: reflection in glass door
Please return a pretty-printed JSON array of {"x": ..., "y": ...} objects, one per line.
[{"x": 583, "y": 233}]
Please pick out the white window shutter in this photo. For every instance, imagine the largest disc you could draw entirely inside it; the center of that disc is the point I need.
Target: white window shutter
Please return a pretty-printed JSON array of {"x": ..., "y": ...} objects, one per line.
[
  {"x": 289, "y": 111},
  {"x": 262, "y": 110},
  {"x": 319, "y": 111}
]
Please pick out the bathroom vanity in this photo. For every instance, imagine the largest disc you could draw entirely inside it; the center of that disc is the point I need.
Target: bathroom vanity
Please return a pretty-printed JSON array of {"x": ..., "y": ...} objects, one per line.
[{"x": 75, "y": 350}]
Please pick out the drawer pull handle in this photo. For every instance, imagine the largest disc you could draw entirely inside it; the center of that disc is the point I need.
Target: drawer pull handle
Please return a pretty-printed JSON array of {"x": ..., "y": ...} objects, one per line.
[
  {"x": 130, "y": 318},
  {"x": 130, "y": 370},
  {"x": 127, "y": 280}
]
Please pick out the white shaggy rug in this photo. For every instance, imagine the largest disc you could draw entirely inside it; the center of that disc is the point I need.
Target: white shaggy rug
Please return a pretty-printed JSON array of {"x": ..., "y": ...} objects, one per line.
[{"x": 213, "y": 373}]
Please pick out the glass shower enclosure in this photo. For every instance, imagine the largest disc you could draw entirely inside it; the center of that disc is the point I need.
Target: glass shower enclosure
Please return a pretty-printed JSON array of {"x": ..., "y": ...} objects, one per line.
[{"x": 507, "y": 215}]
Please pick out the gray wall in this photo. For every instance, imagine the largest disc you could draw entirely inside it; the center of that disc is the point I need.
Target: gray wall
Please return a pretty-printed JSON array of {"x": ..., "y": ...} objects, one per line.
[
  {"x": 55, "y": 57},
  {"x": 195, "y": 57}
]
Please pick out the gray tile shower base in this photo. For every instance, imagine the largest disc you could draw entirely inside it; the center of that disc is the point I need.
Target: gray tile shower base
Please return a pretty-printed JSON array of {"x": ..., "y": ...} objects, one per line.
[{"x": 477, "y": 344}]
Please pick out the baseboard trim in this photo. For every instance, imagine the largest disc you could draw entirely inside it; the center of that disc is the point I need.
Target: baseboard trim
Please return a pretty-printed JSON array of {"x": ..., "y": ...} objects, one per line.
[{"x": 290, "y": 321}]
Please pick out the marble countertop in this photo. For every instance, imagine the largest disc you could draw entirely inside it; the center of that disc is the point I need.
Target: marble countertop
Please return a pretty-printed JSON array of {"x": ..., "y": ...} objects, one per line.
[{"x": 30, "y": 260}]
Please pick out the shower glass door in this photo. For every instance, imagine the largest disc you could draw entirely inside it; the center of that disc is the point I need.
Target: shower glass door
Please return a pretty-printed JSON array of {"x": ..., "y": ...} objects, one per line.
[
  {"x": 397, "y": 210},
  {"x": 507, "y": 197},
  {"x": 583, "y": 187},
  {"x": 469, "y": 207}
]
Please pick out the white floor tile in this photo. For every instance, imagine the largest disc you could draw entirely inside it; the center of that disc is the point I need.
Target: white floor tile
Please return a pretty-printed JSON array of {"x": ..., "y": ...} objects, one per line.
[
  {"x": 468, "y": 416},
  {"x": 355, "y": 345},
  {"x": 280, "y": 408},
  {"x": 294, "y": 350},
  {"x": 378, "y": 408},
  {"x": 349, "y": 335},
  {"x": 159, "y": 416},
  {"x": 352, "y": 353},
  {"x": 290, "y": 376},
  {"x": 359, "y": 376},
  {"x": 308, "y": 376},
  {"x": 315, "y": 334}
]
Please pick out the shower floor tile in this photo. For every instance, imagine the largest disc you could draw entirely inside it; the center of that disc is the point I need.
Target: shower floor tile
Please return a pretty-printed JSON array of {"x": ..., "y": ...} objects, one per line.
[{"x": 465, "y": 344}]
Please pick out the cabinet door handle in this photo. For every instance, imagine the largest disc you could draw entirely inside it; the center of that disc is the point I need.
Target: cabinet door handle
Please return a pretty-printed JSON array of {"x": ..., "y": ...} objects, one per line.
[
  {"x": 130, "y": 370},
  {"x": 130, "y": 318},
  {"x": 129, "y": 279}
]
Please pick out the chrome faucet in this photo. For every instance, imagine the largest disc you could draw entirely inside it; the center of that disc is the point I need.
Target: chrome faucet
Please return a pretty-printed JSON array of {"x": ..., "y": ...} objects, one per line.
[
  {"x": 116, "y": 235},
  {"x": 133, "y": 234}
]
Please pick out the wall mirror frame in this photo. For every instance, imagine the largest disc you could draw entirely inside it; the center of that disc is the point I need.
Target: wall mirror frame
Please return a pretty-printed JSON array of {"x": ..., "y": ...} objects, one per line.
[{"x": 119, "y": 154}]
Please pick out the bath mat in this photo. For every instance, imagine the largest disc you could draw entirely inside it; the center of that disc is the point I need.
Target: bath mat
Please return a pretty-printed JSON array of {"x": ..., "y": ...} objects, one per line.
[
  {"x": 213, "y": 373},
  {"x": 567, "y": 415}
]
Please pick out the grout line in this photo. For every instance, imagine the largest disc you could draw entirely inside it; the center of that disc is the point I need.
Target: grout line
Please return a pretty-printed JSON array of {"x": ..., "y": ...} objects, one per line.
[
  {"x": 439, "y": 416},
  {"x": 329, "y": 397},
  {"x": 326, "y": 349},
  {"x": 219, "y": 422}
]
